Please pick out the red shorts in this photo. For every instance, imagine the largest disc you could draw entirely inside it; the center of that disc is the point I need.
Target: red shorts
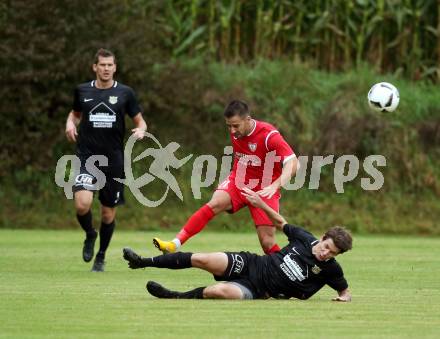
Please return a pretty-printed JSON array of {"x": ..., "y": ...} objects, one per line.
[{"x": 239, "y": 201}]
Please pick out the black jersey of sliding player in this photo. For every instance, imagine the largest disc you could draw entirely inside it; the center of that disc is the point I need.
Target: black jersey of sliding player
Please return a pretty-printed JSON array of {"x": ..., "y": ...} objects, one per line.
[
  {"x": 102, "y": 126},
  {"x": 295, "y": 272}
]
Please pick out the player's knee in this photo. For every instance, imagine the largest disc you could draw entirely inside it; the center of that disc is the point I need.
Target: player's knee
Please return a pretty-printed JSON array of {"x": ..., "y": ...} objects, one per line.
[
  {"x": 217, "y": 206},
  {"x": 82, "y": 206},
  {"x": 107, "y": 219},
  {"x": 220, "y": 291},
  {"x": 107, "y": 216},
  {"x": 199, "y": 260}
]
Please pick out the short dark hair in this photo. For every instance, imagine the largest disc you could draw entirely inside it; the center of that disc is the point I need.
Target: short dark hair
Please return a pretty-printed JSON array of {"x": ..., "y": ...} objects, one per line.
[
  {"x": 236, "y": 107},
  {"x": 341, "y": 237},
  {"x": 105, "y": 53}
]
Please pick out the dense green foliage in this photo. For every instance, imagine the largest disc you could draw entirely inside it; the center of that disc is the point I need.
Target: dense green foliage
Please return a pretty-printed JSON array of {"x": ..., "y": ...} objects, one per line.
[
  {"x": 319, "y": 114},
  {"x": 47, "y": 291},
  {"x": 187, "y": 59},
  {"x": 394, "y": 35},
  {"x": 47, "y": 46}
]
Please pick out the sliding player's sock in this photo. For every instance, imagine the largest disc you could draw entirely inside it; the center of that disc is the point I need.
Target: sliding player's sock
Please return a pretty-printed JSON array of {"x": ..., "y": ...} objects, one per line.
[
  {"x": 159, "y": 291},
  {"x": 172, "y": 261}
]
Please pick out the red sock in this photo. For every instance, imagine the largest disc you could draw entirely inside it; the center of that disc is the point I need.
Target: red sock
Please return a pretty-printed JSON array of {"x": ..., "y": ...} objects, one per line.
[
  {"x": 273, "y": 249},
  {"x": 195, "y": 223}
]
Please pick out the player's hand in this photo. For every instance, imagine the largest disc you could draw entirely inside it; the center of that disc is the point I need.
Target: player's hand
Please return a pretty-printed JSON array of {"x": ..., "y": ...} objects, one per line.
[
  {"x": 346, "y": 297},
  {"x": 269, "y": 191},
  {"x": 252, "y": 197},
  {"x": 71, "y": 132},
  {"x": 342, "y": 299},
  {"x": 139, "y": 133}
]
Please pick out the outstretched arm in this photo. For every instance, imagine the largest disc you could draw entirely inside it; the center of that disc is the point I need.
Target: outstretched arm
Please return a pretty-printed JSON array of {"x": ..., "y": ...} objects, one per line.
[
  {"x": 289, "y": 169},
  {"x": 255, "y": 199},
  {"x": 344, "y": 296}
]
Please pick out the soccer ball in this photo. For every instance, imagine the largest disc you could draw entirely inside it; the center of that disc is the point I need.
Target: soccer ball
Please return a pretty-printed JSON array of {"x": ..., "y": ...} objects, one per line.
[{"x": 383, "y": 97}]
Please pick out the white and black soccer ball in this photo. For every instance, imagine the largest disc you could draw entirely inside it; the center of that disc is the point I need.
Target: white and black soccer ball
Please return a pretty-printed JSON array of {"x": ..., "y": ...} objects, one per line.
[{"x": 383, "y": 97}]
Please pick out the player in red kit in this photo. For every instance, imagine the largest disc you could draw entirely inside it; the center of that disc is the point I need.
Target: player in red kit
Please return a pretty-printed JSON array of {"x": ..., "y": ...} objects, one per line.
[{"x": 263, "y": 162}]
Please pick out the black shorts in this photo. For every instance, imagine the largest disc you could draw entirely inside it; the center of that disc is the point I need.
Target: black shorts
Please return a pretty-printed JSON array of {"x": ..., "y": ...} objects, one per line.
[
  {"x": 243, "y": 268},
  {"x": 111, "y": 192}
]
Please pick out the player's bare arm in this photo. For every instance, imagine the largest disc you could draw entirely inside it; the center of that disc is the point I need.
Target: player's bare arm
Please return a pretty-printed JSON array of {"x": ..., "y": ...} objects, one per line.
[
  {"x": 141, "y": 126},
  {"x": 289, "y": 169},
  {"x": 344, "y": 296},
  {"x": 72, "y": 122},
  {"x": 255, "y": 199}
]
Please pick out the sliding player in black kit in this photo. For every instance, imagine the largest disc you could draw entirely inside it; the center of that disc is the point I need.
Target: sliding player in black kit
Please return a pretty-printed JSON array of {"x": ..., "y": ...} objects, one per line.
[
  {"x": 298, "y": 270},
  {"x": 99, "y": 108}
]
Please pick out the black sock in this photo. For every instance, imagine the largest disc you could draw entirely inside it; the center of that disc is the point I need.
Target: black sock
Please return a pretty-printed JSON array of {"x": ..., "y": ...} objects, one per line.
[
  {"x": 86, "y": 223},
  {"x": 174, "y": 261},
  {"x": 196, "y": 293},
  {"x": 160, "y": 291},
  {"x": 105, "y": 235}
]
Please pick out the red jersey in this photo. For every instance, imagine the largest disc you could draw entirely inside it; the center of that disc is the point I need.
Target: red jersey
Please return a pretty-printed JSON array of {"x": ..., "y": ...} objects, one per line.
[{"x": 258, "y": 157}]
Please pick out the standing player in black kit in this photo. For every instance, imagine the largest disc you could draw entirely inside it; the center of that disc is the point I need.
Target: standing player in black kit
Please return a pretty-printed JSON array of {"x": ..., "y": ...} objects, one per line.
[
  {"x": 99, "y": 107},
  {"x": 298, "y": 270}
]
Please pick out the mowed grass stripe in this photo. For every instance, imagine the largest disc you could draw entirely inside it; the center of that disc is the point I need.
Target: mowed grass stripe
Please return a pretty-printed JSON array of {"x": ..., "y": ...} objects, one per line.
[{"x": 47, "y": 291}]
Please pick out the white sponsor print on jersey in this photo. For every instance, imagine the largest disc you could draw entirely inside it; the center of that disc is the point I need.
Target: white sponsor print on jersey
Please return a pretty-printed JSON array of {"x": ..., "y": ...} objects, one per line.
[
  {"x": 87, "y": 100},
  {"x": 237, "y": 264},
  {"x": 85, "y": 180},
  {"x": 102, "y": 124},
  {"x": 248, "y": 159},
  {"x": 291, "y": 268},
  {"x": 102, "y": 116}
]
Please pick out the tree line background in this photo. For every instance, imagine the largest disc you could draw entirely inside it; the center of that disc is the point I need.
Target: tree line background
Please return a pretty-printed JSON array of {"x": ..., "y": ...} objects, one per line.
[{"x": 305, "y": 66}]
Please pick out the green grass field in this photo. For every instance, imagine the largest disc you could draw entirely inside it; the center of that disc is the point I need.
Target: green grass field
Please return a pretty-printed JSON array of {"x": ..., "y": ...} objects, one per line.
[{"x": 47, "y": 291}]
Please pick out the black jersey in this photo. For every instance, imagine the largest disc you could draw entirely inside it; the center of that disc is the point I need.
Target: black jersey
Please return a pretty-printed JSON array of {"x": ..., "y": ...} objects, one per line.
[
  {"x": 294, "y": 271},
  {"x": 102, "y": 126}
]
